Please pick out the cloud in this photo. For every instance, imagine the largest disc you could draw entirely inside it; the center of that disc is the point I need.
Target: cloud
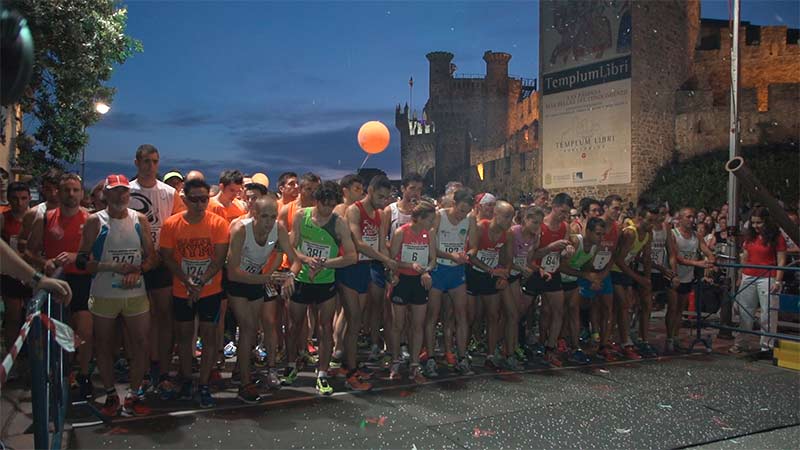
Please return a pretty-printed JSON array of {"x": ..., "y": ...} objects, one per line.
[
  {"x": 191, "y": 119},
  {"x": 778, "y": 18},
  {"x": 124, "y": 121}
]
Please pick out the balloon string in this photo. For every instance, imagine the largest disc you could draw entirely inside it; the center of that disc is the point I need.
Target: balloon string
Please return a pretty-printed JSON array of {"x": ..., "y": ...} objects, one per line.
[{"x": 364, "y": 162}]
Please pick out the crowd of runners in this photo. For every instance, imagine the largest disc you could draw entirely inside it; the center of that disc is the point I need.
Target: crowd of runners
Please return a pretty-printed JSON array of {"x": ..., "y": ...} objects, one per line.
[{"x": 334, "y": 275}]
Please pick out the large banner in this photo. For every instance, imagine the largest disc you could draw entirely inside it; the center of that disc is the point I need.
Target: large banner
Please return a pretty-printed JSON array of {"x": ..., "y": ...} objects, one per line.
[{"x": 586, "y": 104}]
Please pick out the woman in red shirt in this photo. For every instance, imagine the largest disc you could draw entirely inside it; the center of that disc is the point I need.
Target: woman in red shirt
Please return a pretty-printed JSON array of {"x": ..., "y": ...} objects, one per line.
[{"x": 764, "y": 246}]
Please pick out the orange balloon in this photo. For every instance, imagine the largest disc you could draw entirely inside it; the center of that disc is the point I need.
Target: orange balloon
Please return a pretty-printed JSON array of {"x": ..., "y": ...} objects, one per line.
[{"x": 373, "y": 137}]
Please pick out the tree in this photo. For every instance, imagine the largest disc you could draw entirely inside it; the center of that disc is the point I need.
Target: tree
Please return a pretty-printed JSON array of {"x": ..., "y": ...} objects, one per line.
[{"x": 77, "y": 43}]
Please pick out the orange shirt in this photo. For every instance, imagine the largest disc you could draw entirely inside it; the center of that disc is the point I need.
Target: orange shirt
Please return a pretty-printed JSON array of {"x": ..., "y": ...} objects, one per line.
[
  {"x": 193, "y": 249},
  {"x": 177, "y": 204},
  {"x": 230, "y": 212}
]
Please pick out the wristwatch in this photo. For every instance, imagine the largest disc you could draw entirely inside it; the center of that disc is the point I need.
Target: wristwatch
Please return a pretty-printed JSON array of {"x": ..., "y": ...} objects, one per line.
[{"x": 37, "y": 277}]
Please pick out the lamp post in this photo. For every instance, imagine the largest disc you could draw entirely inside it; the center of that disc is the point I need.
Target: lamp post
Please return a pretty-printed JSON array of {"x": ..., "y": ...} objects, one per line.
[{"x": 101, "y": 108}]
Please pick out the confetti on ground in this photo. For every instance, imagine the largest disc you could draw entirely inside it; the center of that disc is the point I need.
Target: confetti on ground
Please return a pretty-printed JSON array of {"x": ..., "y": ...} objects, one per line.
[
  {"x": 695, "y": 396},
  {"x": 623, "y": 430},
  {"x": 477, "y": 432},
  {"x": 379, "y": 421},
  {"x": 604, "y": 371},
  {"x": 721, "y": 423},
  {"x": 662, "y": 406}
]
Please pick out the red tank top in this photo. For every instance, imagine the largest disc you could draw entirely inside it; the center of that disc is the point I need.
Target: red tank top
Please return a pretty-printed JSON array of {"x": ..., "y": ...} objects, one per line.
[
  {"x": 63, "y": 234},
  {"x": 551, "y": 261},
  {"x": 414, "y": 248},
  {"x": 488, "y": 250},
  {"x": 610, "y": 238},
  {"x": 370, "y": 229},
  {"x": 11, "y": 229}
]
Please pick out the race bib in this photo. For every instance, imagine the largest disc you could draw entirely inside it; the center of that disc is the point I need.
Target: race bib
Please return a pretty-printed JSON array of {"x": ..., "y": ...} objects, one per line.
[
  {"x": 124, "y": 256},
  {"x": 453, "y": 247},
  {"x": 250, "y": 266},
  {"x": 155, "y": 232},
  {"x": 314, "y": 250},
  {"x": 13, "y": 242},
  {"x": 194, "y": 268},
  {"x": 489, "y": 256},
  {"x": 659, "y": 255},
  {"x": 372, "y": 241},
  {"x": 601, "y": 259},
  {"x": 415, "y": 253},
  {"x": 551, "y": 261},
  {"x": 520, "y": 261}
]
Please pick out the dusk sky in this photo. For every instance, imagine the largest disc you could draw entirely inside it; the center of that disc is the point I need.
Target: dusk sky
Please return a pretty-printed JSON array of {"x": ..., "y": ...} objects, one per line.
[{"x": 274, "y": 86}]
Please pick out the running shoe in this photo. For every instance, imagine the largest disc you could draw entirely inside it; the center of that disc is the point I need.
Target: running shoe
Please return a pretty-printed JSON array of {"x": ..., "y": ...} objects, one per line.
[
  {"x": 261, "y": 356},
  {"x": 669, "y": 347},
  {"x": 735, "y": 349},
  {"x": 552, "y": 359},
  {"x": 538, "y": 350},
  {"x": 630, "y": 353},
  {"x": 310, "y": 348},
  {"x": 133, "y": 406},
  {"x": 561, "y": 345},
  {"x": 199, "y": 345},
  {"x": 394, "y": 372},
  {"x": 417, "y": 376},
  {"x": 365, "y": 373},
  {"x": 249, "y": 394},
  {"x": 215, "y": 376},
  {"x": 584, "y": 336},
  {"x": 309, "y": 359},
  {"x": 430, "y": 368},
  {"x": 273, "y": 381},
  {"x": 607, "y": 354},
  {"x": 450, "y": 359},
  {"x": 616, "y": 348},
  {"x": 404, "y": 354},
  {"x": 596, "y": 338},
  {"x": 580, "y": 357},
  {"x": 166, "y": 390},
  {"x": 464, "y": 368},
  {"x": 186, "y": 391},
  {"x": 323, "y": 388},
  {"x": 229, "y": 351},
  {"x": 204, "y": 394},
  {"x": 375, "y": 353},
  {"x": 289, "y": 376},
  {"x": 86, "y": 387},
  {"x": 491, "y": 362},
  {"x": 423, "y": 354},
  {"x": 519, "y": 353},
  {"x": 386, "y": 362},
  {"x": 512, "y": 364},
  {"x": 111, "y": 407},
  {"x": 647, "y": 350},
  {"x": 354, "y": 383}
]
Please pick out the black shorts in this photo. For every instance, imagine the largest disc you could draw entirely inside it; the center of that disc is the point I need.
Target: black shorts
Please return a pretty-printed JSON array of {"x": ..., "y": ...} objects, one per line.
[
  {"x": 206, "y": 308},
  {"x": 409, "y": 291},
  {"x": 246, "y": 290},
  {"x": 658, "y": 282},
  {"x": 313, "y": 294},
  {"x": 685, "y": 288},
  {"x": 480, "y": 283},
  {"x": 537, "y": 285},
  {"x": 569, "y": 285},
  {"x": 513, "y": 278},
  {"x": 620, "y": 279},
  {"x": 80, "y": 285},
  {"x": 13, "y": 288},
  {"x": 158, "y": 278}
]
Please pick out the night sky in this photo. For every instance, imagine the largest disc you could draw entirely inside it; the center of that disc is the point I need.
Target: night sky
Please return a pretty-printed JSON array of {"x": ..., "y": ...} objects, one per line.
[{"x": 268, "y": 86}]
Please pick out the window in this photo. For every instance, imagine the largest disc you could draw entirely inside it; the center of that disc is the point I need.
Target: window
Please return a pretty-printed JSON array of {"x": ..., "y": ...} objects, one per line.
[
  {"x": 507, "y": 165},
  {"x": 523, "y": 160}
]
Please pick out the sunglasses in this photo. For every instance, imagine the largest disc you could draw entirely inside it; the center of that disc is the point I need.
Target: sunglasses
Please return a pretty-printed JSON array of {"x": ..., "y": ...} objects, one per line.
[{"x": 197, "y": 199}]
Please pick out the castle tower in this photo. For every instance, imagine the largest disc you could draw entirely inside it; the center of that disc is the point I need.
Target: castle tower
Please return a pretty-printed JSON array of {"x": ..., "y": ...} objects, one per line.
[
  {"x": 496, "y": 69},
  {"x": 496, "y": 97},
  {"x": 440, "y": 73}
]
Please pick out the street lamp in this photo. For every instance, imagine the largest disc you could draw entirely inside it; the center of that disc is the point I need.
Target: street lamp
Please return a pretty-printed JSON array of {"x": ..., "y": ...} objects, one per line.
[{"x": 101, "y": 108}]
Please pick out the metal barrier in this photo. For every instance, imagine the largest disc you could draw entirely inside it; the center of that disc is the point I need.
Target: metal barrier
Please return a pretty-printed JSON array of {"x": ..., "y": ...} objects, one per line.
[{"x": 772, "y": 306}]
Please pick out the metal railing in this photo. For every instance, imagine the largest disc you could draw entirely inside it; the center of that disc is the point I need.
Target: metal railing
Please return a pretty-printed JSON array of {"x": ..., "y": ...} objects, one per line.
[
  {"x": 49, "y": 386},
  {"x": 733, "y": 298}
]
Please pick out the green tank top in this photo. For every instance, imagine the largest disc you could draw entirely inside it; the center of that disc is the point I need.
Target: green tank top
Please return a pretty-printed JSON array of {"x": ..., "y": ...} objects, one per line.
[
  {"x": 578, "y": 260},
  {"x": 318, "y": 242},
  {"x": 637, "y": 246}
]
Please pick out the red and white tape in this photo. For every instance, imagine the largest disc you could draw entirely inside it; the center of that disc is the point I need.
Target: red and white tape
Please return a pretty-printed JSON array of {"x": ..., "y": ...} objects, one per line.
[{"x": 63, "y": 334}]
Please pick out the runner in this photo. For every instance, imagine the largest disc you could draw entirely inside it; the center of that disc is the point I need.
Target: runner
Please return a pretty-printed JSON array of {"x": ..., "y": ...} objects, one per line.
[
  {"x": 253, "y": 240},
  {"x": 226, "y": 204},
  {"x": 414, "y": 248},
  {"x": 366, "y": 226},
  {"x": 524, "y": 238},
  {"x": 287, "y": 188},
  {"x": 321, "y": 235},
  {"x": 590, "y": 285},
  {"x": 49, "y": 191},
  {"x": 602, "y": 263},
  {"x": 662, "y": 279},
  {"x": 484, "y": 206},
  {"x": 490, "y": 259},
  {"x": 13, "y": 292},
  {"x": 157, "y": 201},
  {"x": 194, "y": 245},
  {"x": 451, "y": 228},
  {"x": 174, "y": 179},
  {"x": 684, "y": 249},
  {"x": 635, "y": 242},
  {"x": 541, "y": 198},
  {"x": 57, "y": 235},
  {"x": 554, "y": 240},
  {"x": 116, "y": 247},
  {"x": 396, "y": 215}
]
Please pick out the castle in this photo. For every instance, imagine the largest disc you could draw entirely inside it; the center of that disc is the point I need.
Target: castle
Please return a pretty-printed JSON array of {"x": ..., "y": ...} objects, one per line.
[{"x": 679, "y": 103}]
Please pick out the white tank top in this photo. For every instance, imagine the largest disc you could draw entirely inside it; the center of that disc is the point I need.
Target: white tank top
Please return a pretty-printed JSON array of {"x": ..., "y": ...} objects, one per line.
[
  {"x": 155, "y": 203},
  {"x": 451, "y": 238},
  {"x": 255, "y": 256},
  {"x": 398, "y": 218},
  {"x": 119, "y": 241},
  {"x": 688, "y": 249}
]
